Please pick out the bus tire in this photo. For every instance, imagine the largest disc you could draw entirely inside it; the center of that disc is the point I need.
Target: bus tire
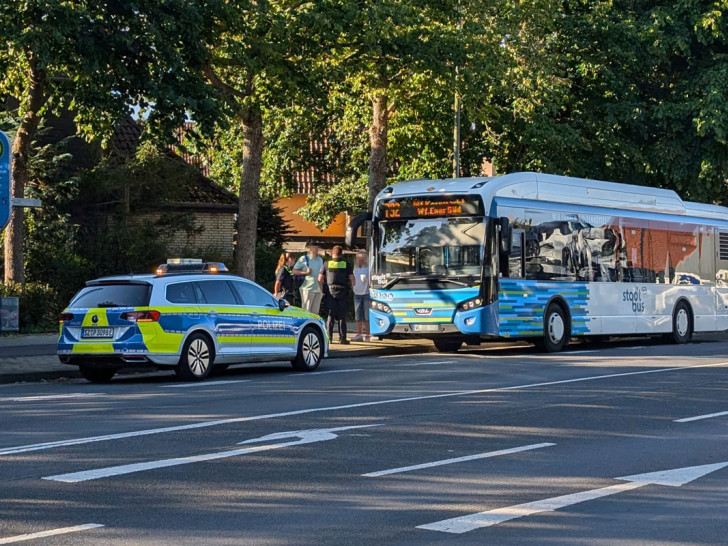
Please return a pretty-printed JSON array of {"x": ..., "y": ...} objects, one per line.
[
  {"x": 682, "y": 324},
  {"x": 555, "y": 329},
  {"x": 448, "y": 345}
]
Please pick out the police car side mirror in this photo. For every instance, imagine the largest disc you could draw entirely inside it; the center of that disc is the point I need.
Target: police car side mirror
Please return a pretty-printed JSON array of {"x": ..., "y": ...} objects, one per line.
[{"x": 282, "y": 304}]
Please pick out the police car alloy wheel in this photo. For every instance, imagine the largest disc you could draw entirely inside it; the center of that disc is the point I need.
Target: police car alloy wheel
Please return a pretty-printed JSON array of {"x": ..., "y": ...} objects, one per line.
[
  {"x": 310, "y": 350},
  {"x": 197, "y": 358}
]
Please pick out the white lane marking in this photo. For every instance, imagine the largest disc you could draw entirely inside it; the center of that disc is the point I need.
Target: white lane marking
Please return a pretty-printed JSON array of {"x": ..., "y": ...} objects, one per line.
[
  {"x": 639, "y": 347},
  {"x": 331, "y": 371},
  {"x": 457, "y": 460},
  {"x": 675, "y": 477},
  {"x": 436, "y": 363},
  {"x": 204, "y": 424},
  {"x": 304, "y": 437},
  {"x": 586, "y": 352},
  {"x": 204, "y": 384},
  {"x": 52, "y": 532},
  {"x": 51, "y": 397},
  {"x": 699, "y": 417}
]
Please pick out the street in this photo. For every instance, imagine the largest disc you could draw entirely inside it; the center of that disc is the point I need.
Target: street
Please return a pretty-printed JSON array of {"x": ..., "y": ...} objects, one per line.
[{"x": 618, "y": 443}]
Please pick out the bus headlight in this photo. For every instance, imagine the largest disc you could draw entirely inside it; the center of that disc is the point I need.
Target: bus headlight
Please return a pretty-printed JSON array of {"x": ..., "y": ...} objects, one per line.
[
  {"x": 379, "y": 306},
  {"x": 471, "y": 304}
]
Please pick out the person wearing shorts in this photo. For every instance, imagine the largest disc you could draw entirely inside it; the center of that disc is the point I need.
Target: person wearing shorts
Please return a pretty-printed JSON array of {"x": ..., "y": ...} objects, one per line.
[{"x": 361, "y": 297}]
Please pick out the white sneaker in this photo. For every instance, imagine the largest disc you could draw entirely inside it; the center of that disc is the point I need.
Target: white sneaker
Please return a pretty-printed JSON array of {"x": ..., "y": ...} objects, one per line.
[{"x": 358, "y": 337}]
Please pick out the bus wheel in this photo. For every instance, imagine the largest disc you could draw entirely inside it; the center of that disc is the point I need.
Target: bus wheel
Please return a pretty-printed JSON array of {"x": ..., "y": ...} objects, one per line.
[
  {"x": 448, "y": 345},
  {"x": 555, "y": 329},
  {"x": 682, "y": 324}
]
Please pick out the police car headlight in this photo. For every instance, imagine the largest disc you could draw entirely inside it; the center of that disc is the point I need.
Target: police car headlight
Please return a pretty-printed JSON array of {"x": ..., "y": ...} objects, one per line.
[
  {"x": 379, "y": 306},
  {"x": 471, "y": 304}
]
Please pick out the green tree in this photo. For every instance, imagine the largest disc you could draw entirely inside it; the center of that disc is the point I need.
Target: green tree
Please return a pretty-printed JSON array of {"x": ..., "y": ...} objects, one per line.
[
  {"x": 100, "y": 59},
  {"x": 262, "y": 56}
]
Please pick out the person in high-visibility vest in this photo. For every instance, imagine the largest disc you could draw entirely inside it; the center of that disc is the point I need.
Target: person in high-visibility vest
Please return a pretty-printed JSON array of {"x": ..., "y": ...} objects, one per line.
[{"x": 339, "y": 275}]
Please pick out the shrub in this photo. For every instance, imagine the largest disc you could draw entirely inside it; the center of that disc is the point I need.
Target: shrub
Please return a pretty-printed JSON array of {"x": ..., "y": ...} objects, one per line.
[{"x": 40, "y": 305}]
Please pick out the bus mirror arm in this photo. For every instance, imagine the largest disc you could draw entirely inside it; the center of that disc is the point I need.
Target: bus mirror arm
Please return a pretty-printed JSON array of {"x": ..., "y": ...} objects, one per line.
[
  {"x": 506, "y": 235},
  {"x": 356, "y": 222}
]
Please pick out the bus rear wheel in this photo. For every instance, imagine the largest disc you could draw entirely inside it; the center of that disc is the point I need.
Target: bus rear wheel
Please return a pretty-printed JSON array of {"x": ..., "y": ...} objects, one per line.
[
  {"x": 555, "y": 329},
  {"x": 448, "y": 345},
  {"x": 682, "y": 324}
]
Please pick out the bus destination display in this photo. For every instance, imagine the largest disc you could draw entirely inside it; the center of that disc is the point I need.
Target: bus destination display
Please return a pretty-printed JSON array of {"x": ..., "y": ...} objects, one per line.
[{"x": 431, "y": 207}]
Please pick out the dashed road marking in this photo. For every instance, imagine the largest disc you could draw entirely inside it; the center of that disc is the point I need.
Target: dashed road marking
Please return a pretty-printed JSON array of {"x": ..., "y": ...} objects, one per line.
[
  {"x": 205, "y": 384},
  {"x": 50, "y": 533},
  {"x": 457, "y": 460},
  {"x": 700, "y": 417},
  {"x": 39, "y": 398},
  {"x": 415, "y": 364},
  {"x": 330, "y": 371}
]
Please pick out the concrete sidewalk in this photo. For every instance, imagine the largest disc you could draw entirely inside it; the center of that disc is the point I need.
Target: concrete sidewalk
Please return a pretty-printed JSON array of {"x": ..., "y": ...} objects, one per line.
[{"x": 33, "y": 357}]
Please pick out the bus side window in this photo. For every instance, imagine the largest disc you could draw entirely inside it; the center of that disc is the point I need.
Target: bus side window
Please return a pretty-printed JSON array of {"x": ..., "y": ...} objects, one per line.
[{"x": 516, "y": 263}]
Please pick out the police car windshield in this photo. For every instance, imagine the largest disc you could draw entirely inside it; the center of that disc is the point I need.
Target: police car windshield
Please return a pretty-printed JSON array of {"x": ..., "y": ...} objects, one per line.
[{"x": 112, "y": 295}]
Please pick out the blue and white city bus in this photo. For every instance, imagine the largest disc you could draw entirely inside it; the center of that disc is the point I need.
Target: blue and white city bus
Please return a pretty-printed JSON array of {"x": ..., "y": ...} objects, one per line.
[{"x": 544, "y": 258}]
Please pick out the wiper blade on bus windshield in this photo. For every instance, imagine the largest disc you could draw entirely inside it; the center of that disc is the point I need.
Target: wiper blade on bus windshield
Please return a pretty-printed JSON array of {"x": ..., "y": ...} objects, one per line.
[
  {"x": 425, "y": 278},
  {"x": 396, "y": 279}
]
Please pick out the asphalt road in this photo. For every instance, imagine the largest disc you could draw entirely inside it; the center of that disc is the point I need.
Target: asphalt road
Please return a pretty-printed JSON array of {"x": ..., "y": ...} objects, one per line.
[{"x": 503, "y": 446}]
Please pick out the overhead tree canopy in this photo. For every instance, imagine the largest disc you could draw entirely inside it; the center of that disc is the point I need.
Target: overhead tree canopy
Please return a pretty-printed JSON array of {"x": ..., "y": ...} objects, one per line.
[{"x": 100, "y": 60}]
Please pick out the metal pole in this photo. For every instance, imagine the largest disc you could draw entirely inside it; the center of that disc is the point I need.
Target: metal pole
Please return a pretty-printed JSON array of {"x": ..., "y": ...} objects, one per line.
[
  {"x": 456, "y": 136},
  {"x": 456, "y": 139}
]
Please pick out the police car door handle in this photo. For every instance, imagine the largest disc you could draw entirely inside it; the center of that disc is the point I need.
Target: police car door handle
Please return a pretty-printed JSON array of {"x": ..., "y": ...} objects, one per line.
[{"x": 212, "y": 312}]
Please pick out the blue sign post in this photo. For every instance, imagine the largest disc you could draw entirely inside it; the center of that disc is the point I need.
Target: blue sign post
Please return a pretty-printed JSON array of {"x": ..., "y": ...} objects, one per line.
[{"x": 4, "y": 181}]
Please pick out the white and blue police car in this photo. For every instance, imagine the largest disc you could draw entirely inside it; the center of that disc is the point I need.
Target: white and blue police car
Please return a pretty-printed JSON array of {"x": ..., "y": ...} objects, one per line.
[{"x": 190, "y": 316}]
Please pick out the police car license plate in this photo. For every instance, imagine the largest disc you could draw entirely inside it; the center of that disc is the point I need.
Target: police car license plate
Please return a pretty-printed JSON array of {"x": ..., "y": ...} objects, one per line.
[
  {"x": 426, "y": 328},
  {"x": 97, "y": 333}
]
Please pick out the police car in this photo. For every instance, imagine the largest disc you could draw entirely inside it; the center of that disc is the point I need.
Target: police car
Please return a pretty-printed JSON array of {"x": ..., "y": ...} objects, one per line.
[{"x": 189, "y": 316}]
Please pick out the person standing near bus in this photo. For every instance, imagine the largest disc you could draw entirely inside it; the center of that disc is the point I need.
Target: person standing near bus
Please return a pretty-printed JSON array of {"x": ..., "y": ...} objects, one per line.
[
  {"x": 361, "y": 297},
  {"x": 309, "y": 265},
  {"x": 338, "y": 274},
  {"x": 283, "y": 287}
]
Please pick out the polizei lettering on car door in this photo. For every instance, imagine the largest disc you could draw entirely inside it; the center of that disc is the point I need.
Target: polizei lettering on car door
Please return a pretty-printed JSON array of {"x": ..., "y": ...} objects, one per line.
[{"x": 271, "y": 325}]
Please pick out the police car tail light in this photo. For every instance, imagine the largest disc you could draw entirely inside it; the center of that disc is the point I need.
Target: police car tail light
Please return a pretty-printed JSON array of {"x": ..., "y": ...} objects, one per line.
[
  {"x": 141, "y": 316},
  {"x": 65, "y": 317},
  {"x": 379, "y": 306},
  {"x": 471, "y": 304}
]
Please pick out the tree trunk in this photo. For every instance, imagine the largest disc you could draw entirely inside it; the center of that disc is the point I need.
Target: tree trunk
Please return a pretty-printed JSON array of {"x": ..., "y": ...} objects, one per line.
[
  {"x": 378, "y": 142},
  {"x": 249, "y": 193},
  {"x": 14, "y": 233}
]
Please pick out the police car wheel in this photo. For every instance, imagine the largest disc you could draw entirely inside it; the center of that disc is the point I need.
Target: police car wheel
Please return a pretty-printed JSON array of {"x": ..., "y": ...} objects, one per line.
[
  {"x": 195, "y": 363},
  {"x": 96, "y": 375},
  {"x": 310, "y": 350}
]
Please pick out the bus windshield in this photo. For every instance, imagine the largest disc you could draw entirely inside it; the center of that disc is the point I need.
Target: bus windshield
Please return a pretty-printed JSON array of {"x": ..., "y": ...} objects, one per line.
[{"x": 433, "y": 248}]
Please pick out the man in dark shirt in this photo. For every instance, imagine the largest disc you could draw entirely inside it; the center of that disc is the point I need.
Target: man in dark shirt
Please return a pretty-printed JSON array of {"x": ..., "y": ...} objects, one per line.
[{"x": 339, "y": 275}]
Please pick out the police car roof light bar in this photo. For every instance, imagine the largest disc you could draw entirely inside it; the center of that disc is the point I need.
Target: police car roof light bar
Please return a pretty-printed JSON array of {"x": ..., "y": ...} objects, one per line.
[{"x": 190, "y": 267}]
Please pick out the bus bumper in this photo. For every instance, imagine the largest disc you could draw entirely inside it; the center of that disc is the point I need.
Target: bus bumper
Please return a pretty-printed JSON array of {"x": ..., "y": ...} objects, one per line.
[{"x": 482, "y": 321}]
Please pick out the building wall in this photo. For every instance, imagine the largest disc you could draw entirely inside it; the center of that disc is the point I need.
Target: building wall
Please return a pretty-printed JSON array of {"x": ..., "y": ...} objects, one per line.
[
  {"x": 213, "y": 232},
  {"x": 301, "y": 229}
]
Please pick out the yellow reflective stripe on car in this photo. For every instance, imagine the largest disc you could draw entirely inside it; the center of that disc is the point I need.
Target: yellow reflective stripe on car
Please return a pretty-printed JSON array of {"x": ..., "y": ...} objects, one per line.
[
  {"x": 157, "y": 340},
  {"x": 100, "y": 313},
  {"x": 95, "y": 347}
]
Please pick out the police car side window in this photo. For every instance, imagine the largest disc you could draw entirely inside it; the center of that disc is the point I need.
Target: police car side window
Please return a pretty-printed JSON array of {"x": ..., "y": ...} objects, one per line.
[
  {"x": 182, "y": 292},
  {"x": 252, "y": 295},
  {"x": 217, "y": 292}
]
